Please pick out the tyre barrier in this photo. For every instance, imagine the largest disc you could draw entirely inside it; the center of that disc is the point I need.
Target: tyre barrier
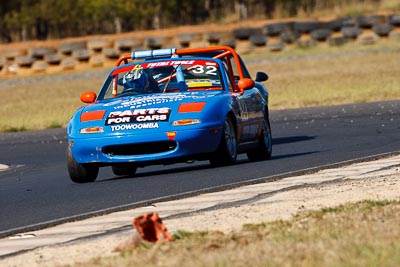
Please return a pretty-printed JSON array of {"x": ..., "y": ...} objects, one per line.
[
  {"x": 24, "y": 61},
  {"x": 39, "y": 66},
  {"x": 350, "y": 32},
  {"x": 336, "y": 41},
  {"x": 98, "y": 45},
  {"x": 214, "y": 38},
  {"x": 306, "y": 43},
  {"x": 306, "y": 26},
  {"x": 96, "y": 61},
  {"x": 382, "y": 30},
  {"x": 333, "y": 25},
  {"x": 321, "y": 35},
  {"x": 367, "y": 22},
  {"x": 111, "y": 53},
  {"x": 272, "y": 37},
  {"x": 275, "y": 45},
  {"x": 155, "y": 42},
  {"x": 245, "y": 33},
  {"x": 394, "y": 19},
  {"x": 185, "y": 39},
  {"x": 53, "y": 59},
  {"x": 126, "y": 44},
  {"x": 231, "y": 42},
  {"x": 275, "y": 29},
  {"x": 11, "y": 54},
  {"x": 258, "y": 40},
  {"x": 40, "y": 52},
  {"x": 81, "y": 54},
  {"x": 67, "y": 48},
  {"x": 290, "y": 36},
  {"x": 69, "y": 63}
]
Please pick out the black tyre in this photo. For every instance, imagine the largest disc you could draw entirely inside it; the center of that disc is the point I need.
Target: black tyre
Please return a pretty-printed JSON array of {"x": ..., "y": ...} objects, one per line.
[
  {"x": 155, "y": 42},
  {"x": 126, "y": 44},
  {"x": 264, "y": 149},
  {"x": 289, "y": 36},
  {"x": 124, "y": 170},
  {"x": 82, "y": 54},
  {"x": 111, "y": 53},
  {"x": 227, "y": 150},
  {"x": 67, "y": 48},
  {"x": 306, "y": 26},
  {"x": 53, "y": 59},
  {"x": 321, "y": 34},
  {"x": 367, "y": 22},
  {"x": 394, "y": 19},
  {"x": 24, "y": 61},
  {"x": 382, "y": 29},
  {"x": 258, "y": 40},
  {"x": 275, "y": 29},
  {"x": 81, "y": 173},
  {"x": 40, "y": 52},
  {"x": 333, "y": 25},
  {"x": 351, "y": 32},
  {"x": 245, "y": 33}
]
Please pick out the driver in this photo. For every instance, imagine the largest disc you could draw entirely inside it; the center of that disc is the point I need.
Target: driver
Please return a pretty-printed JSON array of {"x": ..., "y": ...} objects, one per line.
[{"x": 139, "y": 82}]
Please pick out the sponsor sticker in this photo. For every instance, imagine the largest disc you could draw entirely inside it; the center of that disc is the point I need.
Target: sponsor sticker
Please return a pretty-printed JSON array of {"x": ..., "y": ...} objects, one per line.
[
  {"x": 138, "y": 115},
  {"x": 134, "y": 126}
]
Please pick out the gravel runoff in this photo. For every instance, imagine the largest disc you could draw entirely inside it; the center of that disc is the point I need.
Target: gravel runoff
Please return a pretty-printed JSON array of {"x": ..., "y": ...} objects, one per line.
[{"x": 376, "y": 180}]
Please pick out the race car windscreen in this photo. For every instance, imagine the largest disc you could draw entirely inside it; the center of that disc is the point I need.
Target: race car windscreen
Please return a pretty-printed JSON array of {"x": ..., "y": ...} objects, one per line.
[{"x": 163, "y": 77}]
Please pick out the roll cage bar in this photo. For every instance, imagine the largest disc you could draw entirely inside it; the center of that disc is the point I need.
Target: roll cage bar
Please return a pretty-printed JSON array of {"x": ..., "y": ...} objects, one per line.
[{"x": 223, "y": 53}]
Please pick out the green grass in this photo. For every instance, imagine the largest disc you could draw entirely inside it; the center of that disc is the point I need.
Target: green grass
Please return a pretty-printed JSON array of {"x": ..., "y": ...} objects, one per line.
[
  {"x": 360, "y": 234},
  {"x": 298, "y": 78}
]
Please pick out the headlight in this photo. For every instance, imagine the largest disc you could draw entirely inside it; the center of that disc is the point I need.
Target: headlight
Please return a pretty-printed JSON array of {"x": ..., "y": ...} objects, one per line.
[
  {"x": 90, "y": 130},
  {"x": 185, "y": 122}
]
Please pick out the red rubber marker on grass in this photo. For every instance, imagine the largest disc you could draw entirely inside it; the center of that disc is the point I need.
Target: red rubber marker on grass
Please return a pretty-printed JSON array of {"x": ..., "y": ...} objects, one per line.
[{"x": 151, "y": 228}]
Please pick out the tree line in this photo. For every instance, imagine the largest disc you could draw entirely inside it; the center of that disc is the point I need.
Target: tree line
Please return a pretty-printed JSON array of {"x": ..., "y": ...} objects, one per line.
[{"x": 23, "y": 20}]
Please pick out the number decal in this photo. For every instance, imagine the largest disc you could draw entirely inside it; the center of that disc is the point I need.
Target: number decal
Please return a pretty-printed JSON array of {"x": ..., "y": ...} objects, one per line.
[{"x": 210, "y": 70}]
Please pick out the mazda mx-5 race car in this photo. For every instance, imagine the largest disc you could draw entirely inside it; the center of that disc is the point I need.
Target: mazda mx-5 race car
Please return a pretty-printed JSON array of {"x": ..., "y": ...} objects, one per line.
[{"x": 167, "y": 106}]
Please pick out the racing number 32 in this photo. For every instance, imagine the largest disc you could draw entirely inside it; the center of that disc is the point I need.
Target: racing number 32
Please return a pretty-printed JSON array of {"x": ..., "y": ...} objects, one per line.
[{"x": 210, "y": 70}]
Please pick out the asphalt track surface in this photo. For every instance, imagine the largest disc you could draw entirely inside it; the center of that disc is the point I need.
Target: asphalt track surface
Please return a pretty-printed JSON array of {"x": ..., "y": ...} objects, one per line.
[{"x": 37, "y": 192}]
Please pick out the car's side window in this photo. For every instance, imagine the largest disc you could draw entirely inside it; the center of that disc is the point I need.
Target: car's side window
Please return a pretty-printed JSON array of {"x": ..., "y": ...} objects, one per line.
[{"x": 225, "y": 73}]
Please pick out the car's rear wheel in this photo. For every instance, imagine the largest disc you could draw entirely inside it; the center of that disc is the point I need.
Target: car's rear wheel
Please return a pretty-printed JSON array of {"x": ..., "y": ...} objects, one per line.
[
  {"x": 264, "y": 148},
  {"x": 124, "y": 170},
  {"x": 81, "y": 173},
  {"x": 227, "y": 150}
]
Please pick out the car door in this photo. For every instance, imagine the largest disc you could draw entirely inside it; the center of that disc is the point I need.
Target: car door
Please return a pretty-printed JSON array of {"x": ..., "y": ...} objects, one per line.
[{"x": 250, "y": 106}]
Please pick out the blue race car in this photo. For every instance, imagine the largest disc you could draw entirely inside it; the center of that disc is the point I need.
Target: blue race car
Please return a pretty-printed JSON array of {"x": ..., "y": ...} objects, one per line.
[{"x": 167, "y": 106}]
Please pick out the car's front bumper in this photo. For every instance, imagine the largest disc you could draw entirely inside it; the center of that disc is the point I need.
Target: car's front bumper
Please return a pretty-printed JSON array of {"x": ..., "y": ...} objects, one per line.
[{"x": 116, "y": 149}]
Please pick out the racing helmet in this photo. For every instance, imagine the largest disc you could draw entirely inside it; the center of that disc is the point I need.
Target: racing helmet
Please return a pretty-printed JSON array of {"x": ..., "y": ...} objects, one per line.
[{"x": 135, "y": 80}]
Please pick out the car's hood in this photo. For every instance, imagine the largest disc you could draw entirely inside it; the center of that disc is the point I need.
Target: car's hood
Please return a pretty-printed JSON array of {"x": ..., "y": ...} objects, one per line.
[{"x": 150, "y": 113}]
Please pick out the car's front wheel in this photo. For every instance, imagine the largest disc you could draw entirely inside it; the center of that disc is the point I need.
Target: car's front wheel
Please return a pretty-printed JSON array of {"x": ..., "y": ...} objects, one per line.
[
  {"x": 264, "y": 148},
  {"x": 81, "y": 173},
  {"x": 227, "y": 150}
]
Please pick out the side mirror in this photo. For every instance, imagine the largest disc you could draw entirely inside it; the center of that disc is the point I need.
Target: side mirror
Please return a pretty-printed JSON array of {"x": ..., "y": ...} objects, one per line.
[
  {"x": 261, "y": 77},
  {"x": 245, "y": 84},
  {"x": 88, "y": 97}
]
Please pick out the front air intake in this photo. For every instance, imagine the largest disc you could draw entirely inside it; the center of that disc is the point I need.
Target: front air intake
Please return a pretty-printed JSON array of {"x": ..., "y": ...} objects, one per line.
[{"x": 139, "y": 149}]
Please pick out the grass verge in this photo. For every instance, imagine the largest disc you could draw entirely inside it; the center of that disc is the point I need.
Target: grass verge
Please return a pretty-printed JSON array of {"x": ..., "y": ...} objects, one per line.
[
  {"x": 366, "y": 233},
  {"x": 298, "y": 78}
]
